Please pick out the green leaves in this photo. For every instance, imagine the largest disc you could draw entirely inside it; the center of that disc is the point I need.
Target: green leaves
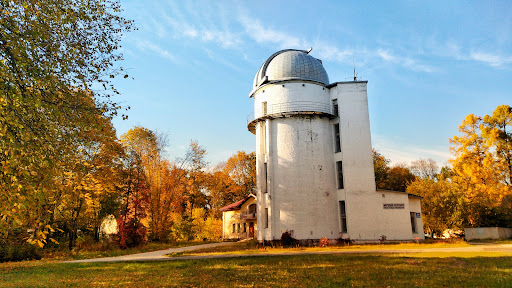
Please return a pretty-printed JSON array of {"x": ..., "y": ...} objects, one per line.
[{"x": 51, "y": 54}]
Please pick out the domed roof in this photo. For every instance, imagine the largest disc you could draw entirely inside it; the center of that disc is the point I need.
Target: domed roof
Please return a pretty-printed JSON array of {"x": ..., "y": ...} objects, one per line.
[{"x": 292, "y": 64}]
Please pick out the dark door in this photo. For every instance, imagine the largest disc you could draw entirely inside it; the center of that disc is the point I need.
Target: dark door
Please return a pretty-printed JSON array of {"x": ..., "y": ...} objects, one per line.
[{"x": 251, "y": 229}]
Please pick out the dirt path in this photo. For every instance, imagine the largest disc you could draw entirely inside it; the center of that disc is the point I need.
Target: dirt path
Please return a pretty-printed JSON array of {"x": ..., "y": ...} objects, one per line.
[
  {"x": 159, "y": 255},
  {"x": 150, "y": 256}
]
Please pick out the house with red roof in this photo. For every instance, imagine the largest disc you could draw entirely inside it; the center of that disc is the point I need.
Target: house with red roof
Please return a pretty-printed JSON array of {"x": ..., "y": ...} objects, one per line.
[{"x": 239, "y": 219}]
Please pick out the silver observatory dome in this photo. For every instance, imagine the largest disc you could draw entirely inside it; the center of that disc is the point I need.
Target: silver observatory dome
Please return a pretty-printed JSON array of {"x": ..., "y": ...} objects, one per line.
[{"x": 291, "y": 64}]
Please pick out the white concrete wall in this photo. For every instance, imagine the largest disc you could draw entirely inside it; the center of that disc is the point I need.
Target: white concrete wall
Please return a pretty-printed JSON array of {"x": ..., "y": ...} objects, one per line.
[
  {"x": 301, "y": 185},
  {"x": 487, "y": 233},
  {"x": 292, "y": 96},
  {"x": 359, "y": 179},
  {"x": 366, "y": 217}
]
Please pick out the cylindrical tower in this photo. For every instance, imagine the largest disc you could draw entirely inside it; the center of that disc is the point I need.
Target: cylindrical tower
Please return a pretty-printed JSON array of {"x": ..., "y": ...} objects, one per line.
[{"x": 294, "y": 148}]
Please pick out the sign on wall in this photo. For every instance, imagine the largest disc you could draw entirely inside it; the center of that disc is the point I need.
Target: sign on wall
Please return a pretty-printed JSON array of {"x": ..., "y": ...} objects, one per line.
[
  {"x": 418, "y": 215},
  {"x": 394, "y": 205}
]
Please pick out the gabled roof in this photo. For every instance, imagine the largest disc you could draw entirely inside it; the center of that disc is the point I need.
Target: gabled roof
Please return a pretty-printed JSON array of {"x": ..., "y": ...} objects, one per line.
[{"x": 237, "y": 205}]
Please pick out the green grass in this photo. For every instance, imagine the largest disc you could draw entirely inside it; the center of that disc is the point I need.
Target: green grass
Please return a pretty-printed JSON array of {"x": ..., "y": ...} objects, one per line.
[
  {"x": 101, "y": 250},
  {"x": 251, "y": 247},
  {"x": 283, "y": 271}
]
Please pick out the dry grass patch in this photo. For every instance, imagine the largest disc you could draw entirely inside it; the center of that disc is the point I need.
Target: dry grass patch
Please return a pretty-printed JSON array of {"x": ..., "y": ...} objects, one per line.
[{"x": 282, "y": 271}]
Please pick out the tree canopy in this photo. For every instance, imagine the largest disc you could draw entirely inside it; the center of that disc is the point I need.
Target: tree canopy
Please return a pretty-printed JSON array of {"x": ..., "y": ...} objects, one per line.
[{"x": 56, "y": 65}]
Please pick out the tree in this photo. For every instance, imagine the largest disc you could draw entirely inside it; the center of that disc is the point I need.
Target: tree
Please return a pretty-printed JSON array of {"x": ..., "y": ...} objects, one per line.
[
  {"x": 424, "y": 169},
  {"x": 54, "y": 55},
  {"x": 442, "y": 204},
  {"x": 481, "y": 165},
  {"x": 381, "y": 168},
  {"x": 195, "y": 195},
  {"x": 398, "y": 178}
]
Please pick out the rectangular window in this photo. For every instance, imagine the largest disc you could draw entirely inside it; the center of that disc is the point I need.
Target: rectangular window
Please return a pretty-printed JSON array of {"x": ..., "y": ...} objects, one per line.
[
  {"x": 264, "y": 182},
  {"x": 238, "y": 228},
  {"x": 339, "y": 168},
  {"x": 233, "y": 228},
  {"x": 263, "y": 137},
  {"x": 413, "y": 222},
  {"x": 335, "y": 107},
  {"x": 264, "y": 108},
  {"x": 337, "y": 138},
  {"x": 266, "y": 217},
  {"x": 245, "y": 227},
  {"x": 343, "y": 217}
]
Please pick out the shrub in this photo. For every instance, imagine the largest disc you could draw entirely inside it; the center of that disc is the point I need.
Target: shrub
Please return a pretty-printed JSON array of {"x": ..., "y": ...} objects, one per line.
[
  {"x": 344, "y": 241},
  {"x": 287, "y": 239},
  {"x": 18, "y": 252}
]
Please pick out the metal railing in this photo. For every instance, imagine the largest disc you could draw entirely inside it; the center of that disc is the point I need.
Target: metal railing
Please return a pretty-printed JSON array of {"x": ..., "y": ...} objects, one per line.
[
  {"x": 297, "y": 106},
  {"x": 246, "y": 215}
]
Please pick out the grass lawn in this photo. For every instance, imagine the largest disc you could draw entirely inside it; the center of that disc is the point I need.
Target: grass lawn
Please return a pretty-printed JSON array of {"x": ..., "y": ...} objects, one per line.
[
  {"x": 282, "y": 271},
  {"x": 251, "y": 247}
]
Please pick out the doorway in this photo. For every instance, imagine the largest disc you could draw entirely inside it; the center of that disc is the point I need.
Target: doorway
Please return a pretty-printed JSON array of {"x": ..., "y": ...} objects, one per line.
[{"x": 251, "y": 229}]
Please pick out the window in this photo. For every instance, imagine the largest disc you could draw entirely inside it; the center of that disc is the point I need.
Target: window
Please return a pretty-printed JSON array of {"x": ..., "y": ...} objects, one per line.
[
  {"x": 343, "y": 217},
  {"x": 264, "y": 182},
  {"x": 339, "y": 168},
  {"x": 252, "y": 209},
  {"x": 245, "y": 227},
  {"x": 266, "y": 217},
  {"x": 335, "y": 107},
  {"x": 413, "y": 222},
  {"x": 238, "y": 228},
  {"x": 233, "y": 227},
  {"x": 264, "y": 108},
  {"x": 337, "y": 138}
]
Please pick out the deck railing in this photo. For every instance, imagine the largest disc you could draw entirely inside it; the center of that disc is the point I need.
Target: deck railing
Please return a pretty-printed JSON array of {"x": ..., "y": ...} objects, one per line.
[{"x": 297, "y": 106}]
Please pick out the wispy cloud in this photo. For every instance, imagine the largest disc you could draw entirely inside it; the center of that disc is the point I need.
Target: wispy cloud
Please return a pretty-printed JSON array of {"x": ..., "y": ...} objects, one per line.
[
  {"x": 493, "y": 60},
  {"x": 221, "y": 60},
  {"x": 261, "y": 34},
  {"x": 400, "y": 151},
  {"x": 194, "y": 26},
  {"x": 152, "y": 47},
  {"x": 407, "y": 62},
  {"x": 329, "y": 51}
]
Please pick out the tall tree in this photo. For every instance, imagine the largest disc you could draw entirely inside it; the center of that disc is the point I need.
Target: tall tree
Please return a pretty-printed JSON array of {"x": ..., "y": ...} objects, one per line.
[
  {"x": 398, "y": 178},
  {"x": 53, "y": 53},
  {"x": 424, "y": 168},
  {"x": 481, "y": 165},
  {"x": 442, "y": 204},
  {"x": 381, "y": 168}
]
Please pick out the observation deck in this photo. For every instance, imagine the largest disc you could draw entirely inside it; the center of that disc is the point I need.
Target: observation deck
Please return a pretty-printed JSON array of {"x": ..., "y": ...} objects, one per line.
[{"x": 289, "y": 109}]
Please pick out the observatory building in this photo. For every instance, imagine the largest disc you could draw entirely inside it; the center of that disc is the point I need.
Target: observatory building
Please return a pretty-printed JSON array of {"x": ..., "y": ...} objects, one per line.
[{"x": 314, "y": 164}]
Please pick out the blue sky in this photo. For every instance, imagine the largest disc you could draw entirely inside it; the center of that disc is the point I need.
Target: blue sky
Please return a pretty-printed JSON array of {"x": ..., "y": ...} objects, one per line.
[{"x": 428, "y": 65}]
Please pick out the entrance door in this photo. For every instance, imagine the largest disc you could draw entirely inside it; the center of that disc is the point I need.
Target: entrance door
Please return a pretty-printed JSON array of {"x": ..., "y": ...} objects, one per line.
[{"x": 251, "y": 229}]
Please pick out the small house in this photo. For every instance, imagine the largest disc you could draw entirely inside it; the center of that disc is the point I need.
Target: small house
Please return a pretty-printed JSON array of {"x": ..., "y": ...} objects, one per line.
[{"x": 239, "y": 219}]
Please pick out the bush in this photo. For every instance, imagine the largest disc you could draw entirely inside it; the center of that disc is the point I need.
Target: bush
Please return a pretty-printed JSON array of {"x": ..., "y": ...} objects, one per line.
[
  {"x": 18, "y": 252},
  {"x": 344, "y": 241},
  {"x": 287, "y": 239}
]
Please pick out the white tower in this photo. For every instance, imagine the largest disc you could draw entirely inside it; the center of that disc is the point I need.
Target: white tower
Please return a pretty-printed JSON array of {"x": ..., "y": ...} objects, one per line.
[{"x": 314, "y": 163}]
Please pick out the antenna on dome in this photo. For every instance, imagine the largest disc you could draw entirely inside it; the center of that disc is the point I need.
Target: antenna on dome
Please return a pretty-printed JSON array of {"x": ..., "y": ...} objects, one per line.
[
  {"x": 354, "y": 63},
  {"x": 310, "y": 49}
]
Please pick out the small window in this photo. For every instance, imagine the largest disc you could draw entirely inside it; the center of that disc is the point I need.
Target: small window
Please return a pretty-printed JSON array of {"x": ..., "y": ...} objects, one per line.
[
  {"x": 265, "y": 179},
  {"x": 252, "y": 209},
  {"x": 245, "y": 227},
  {"x": 339, "y": 168},
  {"x": 413, "y": 222},
  {"x": 266, "y": 217},
  {"x": 233, "y": 228},
  {"x": 337, "y": 138},
  {"x": 335, "y": 107},
  {"x": 238, "y": 228},
  {"x": 343, "y": 217},
  {"x": 264, "y": 108}
]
